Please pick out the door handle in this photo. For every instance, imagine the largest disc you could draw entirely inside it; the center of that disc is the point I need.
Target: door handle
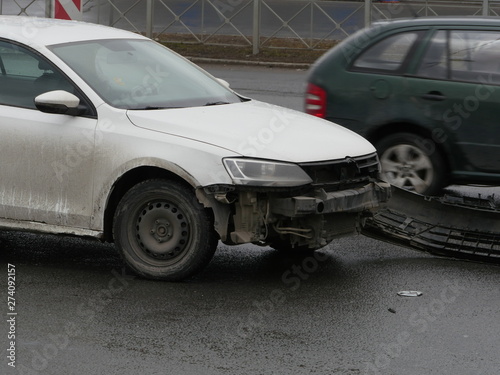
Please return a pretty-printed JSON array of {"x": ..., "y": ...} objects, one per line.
[{"x": 434, "y": 96}]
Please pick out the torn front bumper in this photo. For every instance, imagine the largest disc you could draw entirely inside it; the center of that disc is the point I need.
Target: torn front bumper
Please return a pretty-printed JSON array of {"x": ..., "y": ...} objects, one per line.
[
  {"x": 366, "y": 198},
  {"x": 458, "y": 227}
]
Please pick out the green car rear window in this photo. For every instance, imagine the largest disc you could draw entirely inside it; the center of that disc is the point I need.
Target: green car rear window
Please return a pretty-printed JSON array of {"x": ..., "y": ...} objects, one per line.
[{"x": 388, "y": 54}]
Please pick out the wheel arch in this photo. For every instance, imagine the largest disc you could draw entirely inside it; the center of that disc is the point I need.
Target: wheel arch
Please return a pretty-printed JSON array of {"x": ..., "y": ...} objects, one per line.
[{"x": 125, "y": 182}]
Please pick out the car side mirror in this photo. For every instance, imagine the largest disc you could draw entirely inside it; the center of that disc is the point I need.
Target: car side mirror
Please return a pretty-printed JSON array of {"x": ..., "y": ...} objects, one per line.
[{"x": 59, "y": 102}]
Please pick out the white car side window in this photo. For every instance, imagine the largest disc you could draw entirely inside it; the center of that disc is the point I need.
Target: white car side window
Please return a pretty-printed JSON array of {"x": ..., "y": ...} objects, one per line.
[{"x": 24, "y": 75}]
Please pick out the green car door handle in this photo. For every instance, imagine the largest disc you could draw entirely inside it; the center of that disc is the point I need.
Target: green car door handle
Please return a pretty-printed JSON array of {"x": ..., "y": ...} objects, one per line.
[{"x": 434, "y": 95}]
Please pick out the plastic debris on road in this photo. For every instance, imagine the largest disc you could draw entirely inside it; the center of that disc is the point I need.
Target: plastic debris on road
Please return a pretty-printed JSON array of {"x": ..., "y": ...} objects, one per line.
[{"x": 409, "y": 293}]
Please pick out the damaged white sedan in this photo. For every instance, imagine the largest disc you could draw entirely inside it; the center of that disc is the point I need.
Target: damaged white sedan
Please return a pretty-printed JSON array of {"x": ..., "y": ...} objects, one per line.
[{"x": 108, "y": 134}]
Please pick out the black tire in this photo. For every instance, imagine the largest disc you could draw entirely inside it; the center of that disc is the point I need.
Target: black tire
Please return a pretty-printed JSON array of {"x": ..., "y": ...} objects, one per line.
[
  {"x": 163, "y": 232},
  {"x": 412, "y": 163}
]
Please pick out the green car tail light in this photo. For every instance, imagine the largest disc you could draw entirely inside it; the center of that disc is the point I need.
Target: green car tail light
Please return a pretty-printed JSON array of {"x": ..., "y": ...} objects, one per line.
[{"x": 315, "y": 101}]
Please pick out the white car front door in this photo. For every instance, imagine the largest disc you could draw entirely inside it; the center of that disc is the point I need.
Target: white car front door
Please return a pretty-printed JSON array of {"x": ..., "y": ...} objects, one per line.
[{"x": 46, "y": 160}]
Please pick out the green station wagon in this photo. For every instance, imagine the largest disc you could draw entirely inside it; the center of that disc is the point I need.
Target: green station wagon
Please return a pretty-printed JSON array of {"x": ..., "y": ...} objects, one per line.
[{"x": 425, "y": 92}]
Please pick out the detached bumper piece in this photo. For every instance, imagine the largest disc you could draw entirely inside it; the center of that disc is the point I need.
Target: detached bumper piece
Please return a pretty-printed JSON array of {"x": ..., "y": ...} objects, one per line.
[
  {"x": 366, "y": 198},
  {"x": 457, "y": 227}
]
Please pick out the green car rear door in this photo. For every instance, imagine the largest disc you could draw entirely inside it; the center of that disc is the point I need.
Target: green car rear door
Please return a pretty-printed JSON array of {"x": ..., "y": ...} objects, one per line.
[{"x": 456, "y": 83}]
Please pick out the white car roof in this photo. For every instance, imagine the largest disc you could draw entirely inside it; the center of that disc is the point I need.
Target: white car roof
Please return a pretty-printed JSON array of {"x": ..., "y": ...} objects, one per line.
[{"x": 48, "y": 31}]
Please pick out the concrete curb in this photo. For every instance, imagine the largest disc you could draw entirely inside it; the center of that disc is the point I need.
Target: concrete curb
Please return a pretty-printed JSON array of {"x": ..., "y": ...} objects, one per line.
[{"x": 268, "y": 64}]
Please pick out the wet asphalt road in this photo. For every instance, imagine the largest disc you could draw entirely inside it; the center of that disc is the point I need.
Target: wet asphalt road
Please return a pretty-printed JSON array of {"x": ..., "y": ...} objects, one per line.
[{"x": 253, "y": 310}]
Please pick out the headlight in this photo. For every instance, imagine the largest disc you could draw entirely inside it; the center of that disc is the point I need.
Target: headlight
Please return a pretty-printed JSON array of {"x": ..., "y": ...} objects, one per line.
[{"x": 254, "y": 172}]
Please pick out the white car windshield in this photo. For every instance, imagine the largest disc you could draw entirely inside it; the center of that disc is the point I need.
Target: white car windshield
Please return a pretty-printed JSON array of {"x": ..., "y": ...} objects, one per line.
[{"x": 142, "y": 74}]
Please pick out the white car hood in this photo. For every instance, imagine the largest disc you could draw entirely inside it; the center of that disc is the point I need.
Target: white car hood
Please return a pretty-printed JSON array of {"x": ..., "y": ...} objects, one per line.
[{"x": 257, "y": 129}]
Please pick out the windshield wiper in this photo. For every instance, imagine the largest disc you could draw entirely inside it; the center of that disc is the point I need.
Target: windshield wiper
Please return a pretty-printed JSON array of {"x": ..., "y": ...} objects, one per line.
[
  {"x": 216, "y": 103},
  {"x": 151, "y": 107}
]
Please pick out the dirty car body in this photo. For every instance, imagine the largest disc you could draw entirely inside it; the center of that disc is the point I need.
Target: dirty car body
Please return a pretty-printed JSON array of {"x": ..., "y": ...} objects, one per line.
[{"x": 107, "y": 134}]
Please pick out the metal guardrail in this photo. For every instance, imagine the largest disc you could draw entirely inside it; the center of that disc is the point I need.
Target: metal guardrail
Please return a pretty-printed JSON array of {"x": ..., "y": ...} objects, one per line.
[{"x": 256, "y": 23}]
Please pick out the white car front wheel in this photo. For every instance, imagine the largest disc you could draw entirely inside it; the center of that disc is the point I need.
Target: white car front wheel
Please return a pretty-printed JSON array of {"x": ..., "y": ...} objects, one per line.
[{"x": 163, "y": 232}]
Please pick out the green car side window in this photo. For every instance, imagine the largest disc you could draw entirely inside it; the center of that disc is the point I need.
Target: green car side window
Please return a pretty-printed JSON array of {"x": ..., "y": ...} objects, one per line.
[
  {"x": 474, "y": 56},
  {"x": 388, "y": 54},
  {"x": 463, "y": 55},
  {"x": 435, "y": 62}
]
